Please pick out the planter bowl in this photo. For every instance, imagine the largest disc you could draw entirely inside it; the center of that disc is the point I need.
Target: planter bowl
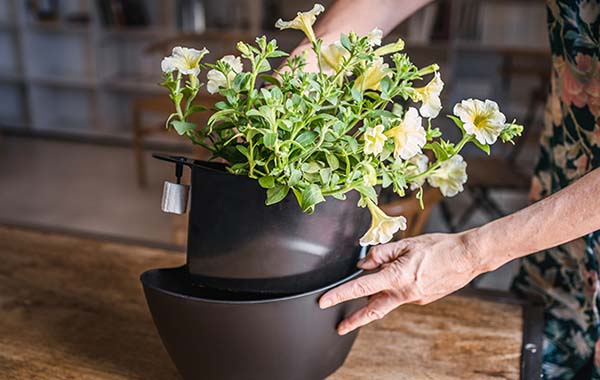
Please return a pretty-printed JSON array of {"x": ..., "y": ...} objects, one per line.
[
  {"x": 236, "y": 242},
  {"x": 218, "y": 335}
]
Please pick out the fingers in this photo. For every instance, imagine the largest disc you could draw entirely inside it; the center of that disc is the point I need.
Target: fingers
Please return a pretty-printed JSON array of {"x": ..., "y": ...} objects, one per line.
[
  {"x": 378, "y": 307},
  {"x": 360, "y": 287},
  {"x": 382, "y": 254}
]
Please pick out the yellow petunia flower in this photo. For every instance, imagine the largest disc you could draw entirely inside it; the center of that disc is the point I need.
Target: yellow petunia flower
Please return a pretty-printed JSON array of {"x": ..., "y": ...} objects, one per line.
[
  {"x": 374, "y": 140},
  {"x": 383, "y": 227},
  {"x": 303, "y": 21},
  {"x": 184, "y": 60}
]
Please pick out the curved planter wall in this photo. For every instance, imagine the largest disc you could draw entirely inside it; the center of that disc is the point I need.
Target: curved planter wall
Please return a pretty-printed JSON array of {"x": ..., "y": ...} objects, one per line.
[
  {"x": 235, "y": 242},
  {"x": 222, "y": 336}
]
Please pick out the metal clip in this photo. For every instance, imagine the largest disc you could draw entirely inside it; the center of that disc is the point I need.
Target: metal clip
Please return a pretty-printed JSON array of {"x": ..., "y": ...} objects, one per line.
[{"x": 175, "y": 195}]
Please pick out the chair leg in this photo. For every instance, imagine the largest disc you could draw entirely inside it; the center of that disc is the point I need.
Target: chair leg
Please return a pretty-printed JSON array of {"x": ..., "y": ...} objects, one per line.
[{"x": 138, "y": 146}]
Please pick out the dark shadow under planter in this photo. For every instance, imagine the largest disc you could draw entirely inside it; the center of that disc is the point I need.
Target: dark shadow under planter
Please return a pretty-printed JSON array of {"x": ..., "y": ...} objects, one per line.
[{"x": 236, "y": 242}]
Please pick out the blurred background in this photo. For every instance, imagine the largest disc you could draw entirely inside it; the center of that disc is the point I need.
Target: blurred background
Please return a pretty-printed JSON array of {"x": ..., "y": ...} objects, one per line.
[{"x": 81, "y": 111}]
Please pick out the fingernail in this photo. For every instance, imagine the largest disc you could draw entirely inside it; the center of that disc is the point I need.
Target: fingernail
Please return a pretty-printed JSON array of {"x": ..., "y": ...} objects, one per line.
[
  {"x": 324, "y": 304},
  {"x": 360, "y": 263},
  {"x": 342, "y": 332}
]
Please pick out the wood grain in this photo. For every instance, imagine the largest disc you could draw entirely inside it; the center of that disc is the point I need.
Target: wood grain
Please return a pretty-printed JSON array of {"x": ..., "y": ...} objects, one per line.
[{"x": 73, "y": 308}]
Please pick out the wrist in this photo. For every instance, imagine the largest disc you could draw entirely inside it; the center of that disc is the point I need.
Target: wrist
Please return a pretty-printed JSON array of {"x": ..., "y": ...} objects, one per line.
[{"x": 479, "y": 251}]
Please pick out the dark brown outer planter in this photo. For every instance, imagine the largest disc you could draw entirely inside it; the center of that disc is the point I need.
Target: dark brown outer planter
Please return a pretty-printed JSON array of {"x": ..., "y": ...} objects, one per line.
[
  {"x": 211, "y": 337},
  {"x": 235, "y": 242}
]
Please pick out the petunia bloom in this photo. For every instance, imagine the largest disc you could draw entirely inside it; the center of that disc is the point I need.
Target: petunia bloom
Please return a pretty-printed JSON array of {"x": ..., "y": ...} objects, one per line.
[
  {"x": 333, "y": 56},
  {"x": 216, "y": 79},
  {"x": 184, "y": 60},
  {"x": 450, "y": 176},
  {"x": 374, "y": 140},
  {"x": 418, "y": 165},
  {"x": 375, "y": 37},
  {"x": 482, "y": 119},
  {"x": 303, "y": 21},
  {"x": 430, "y": 97},
  {"x": 383, "y": 227},
  {"x": 370, "y": 174},
  {"x": 371, "y": 78},
  {"x": 409, "y": 136}
]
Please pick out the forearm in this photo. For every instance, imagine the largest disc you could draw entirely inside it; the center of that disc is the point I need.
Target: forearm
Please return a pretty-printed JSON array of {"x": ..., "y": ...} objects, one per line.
[
  {"x": 564, "y": 216},
  {"x": 362, "y": 16}
]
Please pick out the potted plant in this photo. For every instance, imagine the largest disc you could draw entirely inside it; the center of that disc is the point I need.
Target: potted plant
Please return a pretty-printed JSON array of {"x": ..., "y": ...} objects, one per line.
[{"x": 305, "y": 155}]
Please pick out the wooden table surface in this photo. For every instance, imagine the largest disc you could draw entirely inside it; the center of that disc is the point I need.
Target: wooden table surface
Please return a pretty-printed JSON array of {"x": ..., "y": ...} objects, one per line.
[{"x": 73, "y": 308}]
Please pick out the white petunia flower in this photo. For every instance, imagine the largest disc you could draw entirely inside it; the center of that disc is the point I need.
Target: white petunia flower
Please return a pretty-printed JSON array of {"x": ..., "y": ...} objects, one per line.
[
  {"x": 375, "y": 37},
  {"x": 450, "y": 176},
  {"x": 430, "y": 97},
  {"x": 303, "y": 21},
  {"x": 216, "y": 79},
  {"x": 383, "y": 227},
  {"x": 333, "y": 56},
  {"x": 370, "y": 174},
  {"x": 419, "y": 164},
  {"x": 409, "y": 136},
  {"x": 481, "y": 119},
  {"x": 184, "y": 60},
  {"x": 371, "y": 78},
  {"x": 374, "y": 140}
]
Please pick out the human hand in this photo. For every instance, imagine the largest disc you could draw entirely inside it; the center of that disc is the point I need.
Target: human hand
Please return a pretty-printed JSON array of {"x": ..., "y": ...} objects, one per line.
[{"x": 416, "y": 270}]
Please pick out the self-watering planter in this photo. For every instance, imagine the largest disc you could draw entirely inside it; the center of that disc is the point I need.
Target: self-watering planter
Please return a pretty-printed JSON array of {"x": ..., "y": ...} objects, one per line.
[
  {"x": 220, "y": 335},
  {"x": 236, "y": 242}
]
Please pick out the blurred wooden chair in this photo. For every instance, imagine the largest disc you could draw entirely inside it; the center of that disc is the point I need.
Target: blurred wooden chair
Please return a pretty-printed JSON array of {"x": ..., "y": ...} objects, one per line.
[
  {"x": 409, "y": 207},
  {"x": 219, "y": 43}
]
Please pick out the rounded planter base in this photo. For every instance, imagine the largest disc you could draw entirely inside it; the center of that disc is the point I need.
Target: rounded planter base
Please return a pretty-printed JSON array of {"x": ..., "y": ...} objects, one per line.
[{"x": 217, "y": 335}]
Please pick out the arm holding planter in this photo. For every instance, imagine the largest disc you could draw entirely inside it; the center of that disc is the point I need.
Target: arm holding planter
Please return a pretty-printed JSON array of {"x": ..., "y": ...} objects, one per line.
[{"x": 428, "y": 267}]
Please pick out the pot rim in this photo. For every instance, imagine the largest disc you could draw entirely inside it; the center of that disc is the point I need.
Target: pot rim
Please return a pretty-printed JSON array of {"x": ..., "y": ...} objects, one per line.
[{"x": 146, "y": 284}]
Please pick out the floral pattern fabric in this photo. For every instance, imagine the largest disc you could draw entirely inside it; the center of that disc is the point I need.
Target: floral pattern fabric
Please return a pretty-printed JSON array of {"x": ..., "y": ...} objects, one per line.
[{"x": 567, "y": 276}]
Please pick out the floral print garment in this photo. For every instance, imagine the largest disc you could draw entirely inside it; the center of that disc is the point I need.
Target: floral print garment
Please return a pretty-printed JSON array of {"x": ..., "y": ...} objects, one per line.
[{"x": 567, "y": 276}]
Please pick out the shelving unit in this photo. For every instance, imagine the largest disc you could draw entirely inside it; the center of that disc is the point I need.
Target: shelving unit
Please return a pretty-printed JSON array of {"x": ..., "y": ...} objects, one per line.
[
  {"x": 64, "y": 77},
  {"x": 81, "y": 78}
]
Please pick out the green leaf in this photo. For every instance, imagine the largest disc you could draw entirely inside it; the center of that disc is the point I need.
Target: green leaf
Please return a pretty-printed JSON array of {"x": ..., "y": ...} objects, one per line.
[
  {"x": 439, "y": 152},
  {"x": 340, "y": 196},
  {"x": 243, "y": 150},
  {"x": 483, "y": 147},
  {"x": 332, "y": 161},
  {"x": 386, "y": 179},
  {"x": 277, "y": 54},
  {"x": 306, "y": 138},
  {"x": 458, "y": 122},
  {"x": 325, "y": 174},
  {"x": 345, "y": 41},
  {"x": 385, "y": 84},
  {"x": 270, "y": 79},
  {"x": 356, "y": 95},
  {"x": 182, "y": 127},
  {"x": 196, "y": 108},
  {"x": 310, "y": 167},
  {"x": 295, "y": 177},
  {"x": 368, "y": 191},
  {"x": 264, "y": 66},
  {"x": 310, "y": 197},
  {"x": 276, "y": 194},
  {"x": 266, "y": 182},
  {"x": 269, "y": 139}
]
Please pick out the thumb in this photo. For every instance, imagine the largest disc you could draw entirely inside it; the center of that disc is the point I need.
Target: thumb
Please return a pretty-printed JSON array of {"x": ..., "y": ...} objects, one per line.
[{"x": 382, "y": 254}]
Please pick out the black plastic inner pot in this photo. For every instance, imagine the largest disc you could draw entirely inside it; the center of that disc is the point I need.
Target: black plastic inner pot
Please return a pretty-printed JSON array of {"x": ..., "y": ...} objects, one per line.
[{"x": 179, "y": 283}]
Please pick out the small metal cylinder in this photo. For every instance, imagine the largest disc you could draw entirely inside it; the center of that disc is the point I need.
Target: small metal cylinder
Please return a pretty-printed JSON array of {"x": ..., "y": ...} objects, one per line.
[{"x": 174, "y": 198}]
